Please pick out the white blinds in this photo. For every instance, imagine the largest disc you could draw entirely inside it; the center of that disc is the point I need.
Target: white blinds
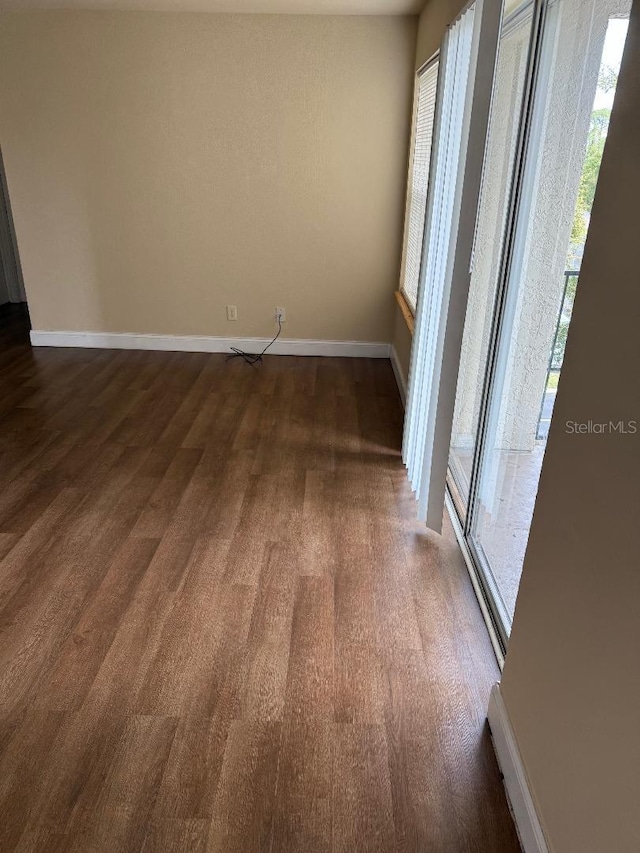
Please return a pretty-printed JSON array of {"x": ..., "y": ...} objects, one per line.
[
  {"x": 418, "y": 181},
  {"x": 447, "y": 173}
]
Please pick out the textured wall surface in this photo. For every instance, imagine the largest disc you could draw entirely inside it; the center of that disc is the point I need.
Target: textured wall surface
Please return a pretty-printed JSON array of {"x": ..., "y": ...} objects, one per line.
[
  {"x": 576, "y": 37},
  {"x": 162, "y": 166}
]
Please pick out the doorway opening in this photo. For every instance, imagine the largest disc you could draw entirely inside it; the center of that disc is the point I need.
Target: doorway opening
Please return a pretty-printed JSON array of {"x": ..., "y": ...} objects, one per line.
[{"x": 14, "y": 313}]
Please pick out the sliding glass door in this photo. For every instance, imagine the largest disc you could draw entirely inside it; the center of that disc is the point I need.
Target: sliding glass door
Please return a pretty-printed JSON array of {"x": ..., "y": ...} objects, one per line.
[
  {"x": 553, "y": 92},
  {"x": 502, "y": 146}
]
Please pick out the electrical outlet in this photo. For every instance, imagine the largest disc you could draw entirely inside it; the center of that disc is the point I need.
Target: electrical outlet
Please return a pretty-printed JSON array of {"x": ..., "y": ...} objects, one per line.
[
  {"x": 281, "y": 314},
  {"x": 232, "y": 312}
]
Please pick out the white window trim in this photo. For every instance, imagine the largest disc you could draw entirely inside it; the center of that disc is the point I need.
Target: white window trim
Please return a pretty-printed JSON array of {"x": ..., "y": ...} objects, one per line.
[{"x": 439, "y": 327}]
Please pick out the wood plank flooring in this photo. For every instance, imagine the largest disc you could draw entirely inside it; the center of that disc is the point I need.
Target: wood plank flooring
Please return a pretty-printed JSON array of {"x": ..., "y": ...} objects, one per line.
[{"x": 221, "y": 628}]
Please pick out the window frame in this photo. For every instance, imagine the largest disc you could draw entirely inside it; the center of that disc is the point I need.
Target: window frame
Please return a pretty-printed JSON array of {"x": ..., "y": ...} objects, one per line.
[
  {"x": 404, "y": 301},
  {"x": 440, "y": 320}
]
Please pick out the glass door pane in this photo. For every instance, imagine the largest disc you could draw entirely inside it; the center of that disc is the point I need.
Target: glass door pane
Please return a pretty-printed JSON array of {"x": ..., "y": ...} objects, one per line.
[
  {"x": 502, "y": 144},
  {"x": 579, "y": 63}
]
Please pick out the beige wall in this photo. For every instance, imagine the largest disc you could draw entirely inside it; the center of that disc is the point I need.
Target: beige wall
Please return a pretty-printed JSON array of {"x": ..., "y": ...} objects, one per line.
[
  {"x": 571, "y": 681},
  {"x": 162, "y": 166},
  {"x": 432, "y": 24}
]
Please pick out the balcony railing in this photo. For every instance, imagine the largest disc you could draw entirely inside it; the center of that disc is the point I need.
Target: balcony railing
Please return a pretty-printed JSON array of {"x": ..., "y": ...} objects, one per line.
[
  {"x": 564, "y": 318},
  {"x": 557, "y": 351}
]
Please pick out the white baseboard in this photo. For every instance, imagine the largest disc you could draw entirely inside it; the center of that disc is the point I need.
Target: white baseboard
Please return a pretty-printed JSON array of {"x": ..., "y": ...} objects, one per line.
[
  {"x": 195, "y": 343},
  {"x": 515, "y": 777},
  {"x": 397, "y": 370}
]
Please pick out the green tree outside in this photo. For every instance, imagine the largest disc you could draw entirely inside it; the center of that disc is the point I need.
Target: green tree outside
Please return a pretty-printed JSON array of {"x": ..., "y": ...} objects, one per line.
[{"x": 596, "y": 139}]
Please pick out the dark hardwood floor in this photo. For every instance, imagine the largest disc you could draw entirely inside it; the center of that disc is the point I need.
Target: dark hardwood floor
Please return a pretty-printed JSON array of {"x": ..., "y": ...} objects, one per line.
[{"x": 221, "y": 628}]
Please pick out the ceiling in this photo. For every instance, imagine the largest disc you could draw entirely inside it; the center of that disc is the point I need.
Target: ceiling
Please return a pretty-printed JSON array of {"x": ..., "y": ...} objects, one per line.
[{"x": 301, "y": 7}]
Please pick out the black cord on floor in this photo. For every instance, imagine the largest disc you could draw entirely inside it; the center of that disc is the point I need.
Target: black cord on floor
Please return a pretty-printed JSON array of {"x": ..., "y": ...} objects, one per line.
[{"x": 250, "y": 357}]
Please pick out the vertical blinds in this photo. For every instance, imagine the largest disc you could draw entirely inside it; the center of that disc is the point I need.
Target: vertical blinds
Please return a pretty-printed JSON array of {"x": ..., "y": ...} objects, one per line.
[
  {"x": 419, "y": 181},
  {"x": 439, "y": 245}
]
